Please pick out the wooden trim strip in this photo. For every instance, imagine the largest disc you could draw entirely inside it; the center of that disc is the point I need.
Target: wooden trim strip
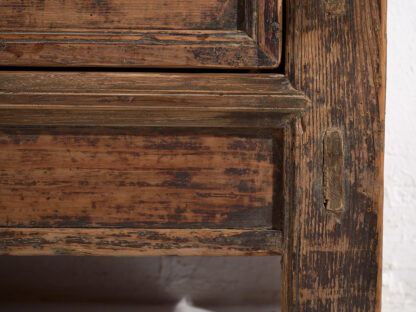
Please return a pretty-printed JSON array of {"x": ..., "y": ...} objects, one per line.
[
  {"x": 144, "y": 82},
  {"x": 138, "y": 242},
  {"x": 223, "y": 51},
  {"x": 147, "y": 99}
]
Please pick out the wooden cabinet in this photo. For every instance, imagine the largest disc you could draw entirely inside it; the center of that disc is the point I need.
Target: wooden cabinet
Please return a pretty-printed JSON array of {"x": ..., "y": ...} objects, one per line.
[{"x": 204, "y": 145}]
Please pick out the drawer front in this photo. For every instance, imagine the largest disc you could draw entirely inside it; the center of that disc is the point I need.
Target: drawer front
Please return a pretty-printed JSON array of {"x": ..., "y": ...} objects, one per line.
[
  {"x": 141, "y": 33},
  {"x": 147, "y": 180},
  {"x": 143, "y": 163}
]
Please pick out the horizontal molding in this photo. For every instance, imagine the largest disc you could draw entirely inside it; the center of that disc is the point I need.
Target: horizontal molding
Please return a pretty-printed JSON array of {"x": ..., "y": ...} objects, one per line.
[
  {"x": 154, "y": 49},
  {"x": 147, "y": 99},
  {"x": 137, "y": 242}
]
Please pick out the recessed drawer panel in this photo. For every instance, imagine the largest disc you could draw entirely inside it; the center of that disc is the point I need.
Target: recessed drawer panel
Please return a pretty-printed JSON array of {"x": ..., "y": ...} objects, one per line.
[
  {"x": 141, "y": 33},
  {"x": 87, "y": 178}
]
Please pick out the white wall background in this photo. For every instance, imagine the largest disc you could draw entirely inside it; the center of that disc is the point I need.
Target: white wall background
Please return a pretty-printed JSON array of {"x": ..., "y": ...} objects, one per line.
[{"x": 399, "y": 275}]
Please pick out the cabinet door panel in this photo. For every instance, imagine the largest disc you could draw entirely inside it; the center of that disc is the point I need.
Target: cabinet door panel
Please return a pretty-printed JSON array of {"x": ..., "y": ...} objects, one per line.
[{"x": 141, "y": 33}]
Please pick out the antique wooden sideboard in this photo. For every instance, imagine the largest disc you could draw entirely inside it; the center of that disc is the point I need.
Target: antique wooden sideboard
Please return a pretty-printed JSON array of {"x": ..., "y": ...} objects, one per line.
[{"x": 199, "y": 127}]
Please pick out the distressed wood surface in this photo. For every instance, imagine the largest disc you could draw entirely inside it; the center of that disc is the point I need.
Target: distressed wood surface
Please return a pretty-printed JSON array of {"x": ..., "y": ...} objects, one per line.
[
  {"x": 336, "y": 55},
  {"x": 118, "y": 14},
  {"x": 141, "y": 33},
  {"x": 132, "y": 242},
  {"x": 82, "y": 179},
  {"x": 147, "y": 99}
]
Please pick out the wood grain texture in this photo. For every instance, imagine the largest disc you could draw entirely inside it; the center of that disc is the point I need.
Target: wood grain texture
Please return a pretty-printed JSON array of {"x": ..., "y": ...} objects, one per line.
[
  {"x": 122, "y": 33},
  {"x": 147, "y": 99},
  {"x": 148, "y": 180},
  {"x": 84, "y": 15},
  {"x": 336, "y": 55},
  {"x": 132, "y": 242}
]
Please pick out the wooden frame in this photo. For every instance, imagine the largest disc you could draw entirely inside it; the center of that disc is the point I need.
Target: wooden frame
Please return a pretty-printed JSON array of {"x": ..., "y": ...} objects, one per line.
[
  {"x": 136, "y": 34},
  {"x": 336, "y": 54}
]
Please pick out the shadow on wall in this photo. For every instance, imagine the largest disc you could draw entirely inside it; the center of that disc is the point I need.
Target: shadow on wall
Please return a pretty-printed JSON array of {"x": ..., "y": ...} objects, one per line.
[{"x": 208, "y": 281}]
